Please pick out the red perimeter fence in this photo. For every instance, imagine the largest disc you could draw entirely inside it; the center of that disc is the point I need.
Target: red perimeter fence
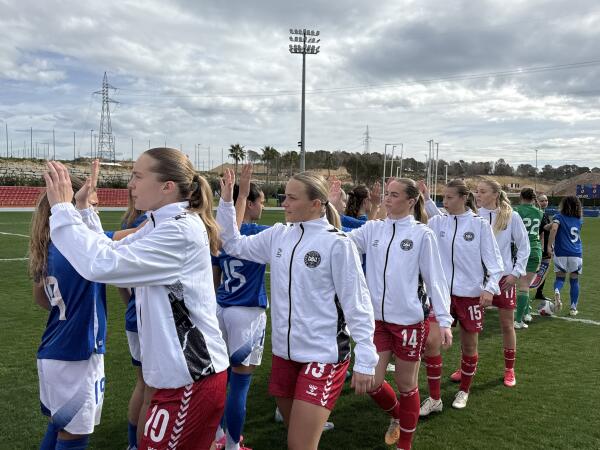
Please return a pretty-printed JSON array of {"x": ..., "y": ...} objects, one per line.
[{"x": 26, "y": 196}]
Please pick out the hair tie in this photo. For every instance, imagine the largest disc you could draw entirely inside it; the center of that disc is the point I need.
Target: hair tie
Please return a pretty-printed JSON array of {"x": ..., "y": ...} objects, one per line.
[{"x": 326, "y": 203}]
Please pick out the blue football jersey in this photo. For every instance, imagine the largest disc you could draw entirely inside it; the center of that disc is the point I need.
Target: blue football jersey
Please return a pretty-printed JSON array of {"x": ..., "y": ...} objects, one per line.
[
  {"x": 568, "y": 236},
  {"x": 349, "y": 223},
  {"x": 77, "y": 323},
  {"x": 243, "y": 282}
]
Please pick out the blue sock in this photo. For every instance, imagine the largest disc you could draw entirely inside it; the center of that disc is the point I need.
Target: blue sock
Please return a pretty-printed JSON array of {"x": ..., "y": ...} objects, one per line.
[
  {"x": 574, "y": 292},
  {"x": 132, "y": 434},
  {"x": 235, "y": 408},
  {"x": 49, "y": 441},
  {"x": 75, "y": 444},
  {"x": 558, "y": 283}
]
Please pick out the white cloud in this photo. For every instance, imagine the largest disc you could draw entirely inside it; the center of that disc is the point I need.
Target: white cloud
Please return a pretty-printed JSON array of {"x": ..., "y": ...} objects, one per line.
[{"x": 219, "y": 72}]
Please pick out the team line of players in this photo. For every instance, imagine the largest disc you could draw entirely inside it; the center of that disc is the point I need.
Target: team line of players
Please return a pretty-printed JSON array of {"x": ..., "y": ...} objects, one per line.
[{"x": 417, "y": 276}]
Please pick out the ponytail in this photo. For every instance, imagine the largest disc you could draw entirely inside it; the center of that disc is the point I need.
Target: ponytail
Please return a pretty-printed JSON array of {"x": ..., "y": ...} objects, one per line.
[
  {"x": 471, "y": 203},
  {"x": 419, "y": 208},
  {"x": 201, "y": 202},
  {"x": 356, "y": 198},
  {"x": 504, "y": 213},
  {"x": 333, "y": 216}
]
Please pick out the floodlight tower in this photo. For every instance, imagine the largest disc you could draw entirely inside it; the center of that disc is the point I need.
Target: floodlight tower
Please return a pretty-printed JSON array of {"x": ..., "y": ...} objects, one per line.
[{"x": 304, "y": 42}]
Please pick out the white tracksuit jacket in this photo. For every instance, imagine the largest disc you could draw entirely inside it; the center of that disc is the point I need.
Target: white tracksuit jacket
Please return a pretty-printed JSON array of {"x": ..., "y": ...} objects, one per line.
[
  {"x": 317, "y": 286},
  {"x": 514, "y": 233},
  {"x": 470, "y": 255},
  {"x": 397, "y": 252},
  {"x": 168, "y": 262}
]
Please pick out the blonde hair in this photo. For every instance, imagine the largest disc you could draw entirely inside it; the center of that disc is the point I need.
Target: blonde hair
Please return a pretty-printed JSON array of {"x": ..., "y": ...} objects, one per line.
[
  {"x": 504, "y": 215},
  {"x": 40, "y": 235},
  {"x": 173, "y": 165},
  {"x": 316, "y": 189},
  {"x": 412, "y": 191}
]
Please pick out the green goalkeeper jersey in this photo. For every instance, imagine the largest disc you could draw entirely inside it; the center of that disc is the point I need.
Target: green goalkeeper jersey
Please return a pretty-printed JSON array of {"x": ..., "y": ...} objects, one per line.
[{"x": 532, "y": 218}]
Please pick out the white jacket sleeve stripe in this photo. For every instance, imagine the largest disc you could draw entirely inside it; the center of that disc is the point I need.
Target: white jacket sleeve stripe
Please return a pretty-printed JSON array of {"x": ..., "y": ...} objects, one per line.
[
  {"x": 430, "y": 265},
  {"x": 255, "y": 248},
  {"x": 353, "y": 294},
  {"x": 491, "y": 257},
  {"x": 155, "y": 260}
]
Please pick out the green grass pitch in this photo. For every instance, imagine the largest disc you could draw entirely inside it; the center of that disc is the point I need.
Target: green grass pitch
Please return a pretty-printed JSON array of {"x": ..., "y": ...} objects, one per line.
[{"x": 554, "y": 405}]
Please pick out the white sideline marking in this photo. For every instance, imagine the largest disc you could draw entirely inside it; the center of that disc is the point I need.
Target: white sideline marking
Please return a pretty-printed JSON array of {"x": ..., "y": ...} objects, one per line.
[
  {"x": 571, "y": 319},
  {"x": 14, "y": 259},
  {"x": 15, "y": 234}
]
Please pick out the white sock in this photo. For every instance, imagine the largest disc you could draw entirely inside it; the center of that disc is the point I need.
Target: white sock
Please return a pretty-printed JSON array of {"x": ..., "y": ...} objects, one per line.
[{"x": 230, "y": 445}]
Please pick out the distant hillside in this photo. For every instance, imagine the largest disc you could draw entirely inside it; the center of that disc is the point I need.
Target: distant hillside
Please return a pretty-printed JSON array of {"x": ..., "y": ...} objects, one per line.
[{"x": 568, "y": 187}]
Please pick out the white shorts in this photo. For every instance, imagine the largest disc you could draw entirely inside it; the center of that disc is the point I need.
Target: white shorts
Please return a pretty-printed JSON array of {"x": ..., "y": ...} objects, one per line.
[
  {"x": 133, "y": 339},
  {"x": 73, "y": 392},
  {"x": 568, "y": 264},
  {"x": 243, "y": 329}
]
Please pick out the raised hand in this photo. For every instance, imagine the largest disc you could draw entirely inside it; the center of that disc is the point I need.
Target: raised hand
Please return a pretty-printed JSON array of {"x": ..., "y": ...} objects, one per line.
[
  {"x": 227, "y": 182},
  {"x": 376, "y": 194},
  {"x": 83, "y": 195},
  {"x": 58, "y": 183},
  {"x": 423, "y": 189},
  {"x": 335, "y": 194},
  {"x": 245, "y": 181}
]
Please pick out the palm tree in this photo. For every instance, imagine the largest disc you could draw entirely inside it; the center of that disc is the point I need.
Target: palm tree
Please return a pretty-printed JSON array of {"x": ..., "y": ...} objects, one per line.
[
  {"x": 269, "y": 154},
  {"x": 237, "y": 153}
]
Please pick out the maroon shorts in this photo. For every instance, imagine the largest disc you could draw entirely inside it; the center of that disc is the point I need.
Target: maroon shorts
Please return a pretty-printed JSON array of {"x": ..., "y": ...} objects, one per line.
[
  {"x": 187, "y": 417},
  {"x": 317, "y": 383},
  {"x": 404, "y": 341},
  {"x": 468, "y": 312},
  {"x": 507, "y": 299}
]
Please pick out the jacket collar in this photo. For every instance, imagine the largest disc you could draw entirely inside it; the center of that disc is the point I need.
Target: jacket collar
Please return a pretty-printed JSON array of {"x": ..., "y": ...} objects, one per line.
[
  {"x": 485, "y": 211},
  {"x": 321, "y": 222},
  {"x": 405, "y": 220},
  {"x": 167, "y": 211},
  {"x": 467, "y": 213}
]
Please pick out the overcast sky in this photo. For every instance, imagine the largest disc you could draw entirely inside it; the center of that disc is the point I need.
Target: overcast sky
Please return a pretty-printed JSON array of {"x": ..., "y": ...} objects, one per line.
[{"x": 486, "y": 79}]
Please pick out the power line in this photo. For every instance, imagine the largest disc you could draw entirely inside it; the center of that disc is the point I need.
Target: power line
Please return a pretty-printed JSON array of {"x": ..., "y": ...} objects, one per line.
[{"x": 333, "y": 90}]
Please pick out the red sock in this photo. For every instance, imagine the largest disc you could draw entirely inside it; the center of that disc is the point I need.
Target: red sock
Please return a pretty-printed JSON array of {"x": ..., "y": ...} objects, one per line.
[
  {"x": 433, "y": 364},
  {"x": 510, "y": 354},
  {"x": 386, "y": 399},
  {"x": 468, "y": 367},
  {"x": 409, "y": 416}
]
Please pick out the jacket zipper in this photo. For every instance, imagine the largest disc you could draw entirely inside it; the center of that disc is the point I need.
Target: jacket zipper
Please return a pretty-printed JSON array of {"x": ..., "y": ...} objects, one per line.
[
  {"x": 290, "y": 293},
  {"x": 452, "y": 253},
  {"x": 387, "y": 253}
]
